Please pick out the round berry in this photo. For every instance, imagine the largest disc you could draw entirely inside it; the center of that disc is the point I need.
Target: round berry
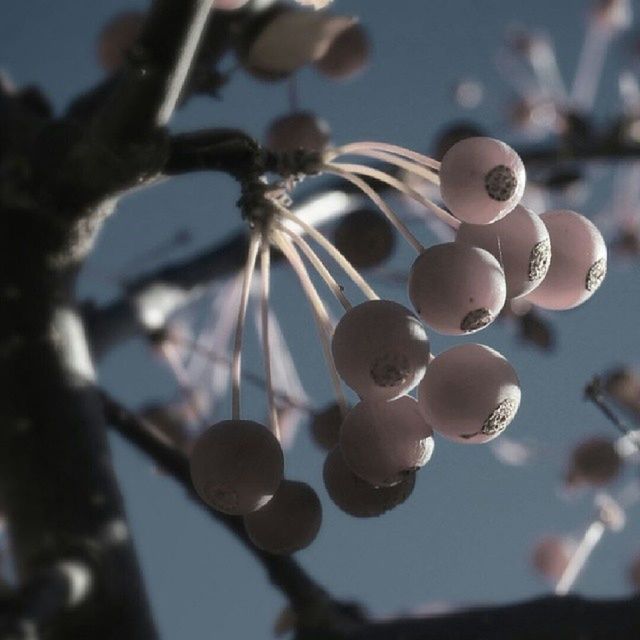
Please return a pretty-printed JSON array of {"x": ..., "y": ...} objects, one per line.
[
  {"x": 578, "y": 261},
  {"x": 236, "y": 466},
  {"x": 300, "y": 130},
  {"x": 520, "y": 242},
  {"x": 290, "y": 521},
  {"x": 347, "y": 56},
  {"x": 355, "y": 496},
  {"x": 365, "y": 237},
  {"x": 325, "y": 427},
  {"x": 384, "y": 442},
  {"x": 380, "y": 349},
  {"x": 470, "y": 393},
  {"x": 481, "y": 179},
  {"x": 457, "y": 288}
]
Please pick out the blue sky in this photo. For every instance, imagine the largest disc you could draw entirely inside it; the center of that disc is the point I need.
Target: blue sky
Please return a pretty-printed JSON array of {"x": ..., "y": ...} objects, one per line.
[{"x": 466, "y": 532}]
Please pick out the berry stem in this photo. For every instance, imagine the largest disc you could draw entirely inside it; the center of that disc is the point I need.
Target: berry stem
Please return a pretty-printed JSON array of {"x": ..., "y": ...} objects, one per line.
[
  {"x": 362, "y": 169},
  {"x": 412, "y": 167},
  {"x": 265, "y": 271},
  {"x": 236, "y": 364},
  {"x": 590, "y": 64},
  {"x": 250, "y": 377},
  {"x": 379, "y": 202},
  {"x": 349, "y": 269},
  {"x": 592, "y": 536},
  {"x": 318, "y": 265},
  {"x": 319, "y": 313},
  {"x": 367, "y": 146}
]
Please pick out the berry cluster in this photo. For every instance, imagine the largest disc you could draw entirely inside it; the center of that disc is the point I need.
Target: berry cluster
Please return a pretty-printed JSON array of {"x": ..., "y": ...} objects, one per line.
[{"x": 380, "y": 349}]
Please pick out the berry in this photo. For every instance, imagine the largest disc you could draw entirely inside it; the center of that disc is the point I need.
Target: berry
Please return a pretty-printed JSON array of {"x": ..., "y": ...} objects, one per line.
[
  {"x": 578, "y": 261},
  {"x": 347, "y": 56},
  {"x": 365, "y": 238},
  {"x": 594, "y": 461},
  {"x": 117, "y": 37},
  {"x": 470, "y": 393},
  {"x": 481, "y": 179},
  {"x": 380, "y": 349},
  {"x": 290, "y": 521},
  {"x": 325, "y": 427},
  {"x": 456, "y": 288},
  {"x": 384, "y": 442},
  {"x": 236, "y": 466},
  {"x": 551, "y": 555},
  {"x": 520, "y": 243},
  {"x": 301, "y": 130},
  {"x": 355, "y": 496}
]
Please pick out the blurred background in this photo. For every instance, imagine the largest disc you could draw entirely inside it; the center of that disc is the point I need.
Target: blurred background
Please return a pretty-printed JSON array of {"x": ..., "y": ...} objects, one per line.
[{"x": 466, "y": 534}]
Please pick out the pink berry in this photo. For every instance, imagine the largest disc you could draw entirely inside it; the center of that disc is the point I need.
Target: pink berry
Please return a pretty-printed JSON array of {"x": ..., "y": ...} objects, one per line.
[
  {"x": 456, "y": 288},
  {"x": 325, "y": 427},
  {"x": 117, "y": 37},
  {"x": 290, "y": 521},
  {"x": 347, "y": 56},
  {"x": 551, "y": 555},
  {"x": 380, "y": 349},
  {"x": 357, "y": 497},
  {"x": 594, "y": 461},
  {"x": 365, "y": 237},
  {"x": 236, "y": 466},
  {"x": 301, "y": 130},
  {"x": 578, "y": 261},
  {"x": 481, "y": 179},
  {"x": 470, "y": 393},
  {"x": 384, "y": 442},
  {"x": 520, "y": 243}
]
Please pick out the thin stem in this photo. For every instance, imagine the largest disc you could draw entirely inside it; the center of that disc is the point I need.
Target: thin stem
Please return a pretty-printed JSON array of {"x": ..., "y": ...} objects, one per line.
[
  {"x": 319, "y": 313},
  {"x": 594, "y": 394},
  {"x": 412, "y": 167},
  {"x": 348, "y": 268},
  {"x": 265, "y": 268},
  {"x": 591, "y": 61},
  {"x": 365, "y": 170},
  {"x": 592, "y": 536},
  {"x": 355, "y": 147},
  {"x": 183, "y": 64},
  {"x": 236, "y": 362},
  {"x": 380, "y": 203},
  {"x": 249, "y": 376},
  {"x": 313, "y": 258}
]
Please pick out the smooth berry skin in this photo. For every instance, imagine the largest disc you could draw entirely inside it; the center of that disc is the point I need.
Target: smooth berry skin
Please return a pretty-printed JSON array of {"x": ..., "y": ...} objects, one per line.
[
  {"x": 481, "y": 180},
  {"x": 578, "y": 261}
]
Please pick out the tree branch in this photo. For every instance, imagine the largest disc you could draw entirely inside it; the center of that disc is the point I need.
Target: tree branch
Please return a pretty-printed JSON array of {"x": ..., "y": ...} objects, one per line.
[
  {"x": 548, "y": 618},
  {"x": 308, "y": 599}
]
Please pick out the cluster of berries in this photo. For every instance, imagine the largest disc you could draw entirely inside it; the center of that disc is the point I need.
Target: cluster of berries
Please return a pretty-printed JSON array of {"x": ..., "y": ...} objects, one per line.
[{"x": 380, "y": 349}]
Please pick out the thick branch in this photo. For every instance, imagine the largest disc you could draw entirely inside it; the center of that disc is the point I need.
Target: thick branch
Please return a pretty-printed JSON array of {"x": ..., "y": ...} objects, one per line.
[{"x": 549, "y": 618}]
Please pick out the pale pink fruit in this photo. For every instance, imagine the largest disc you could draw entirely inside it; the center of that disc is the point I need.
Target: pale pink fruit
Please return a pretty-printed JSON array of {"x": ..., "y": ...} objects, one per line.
[
  {"x": 470, "y": 393},
  {"x": 290, "y": 521},
  {"x": 300, "y": 130},
  {"x": 236, "y": 466},
  {"x": 481, "y": 179},
  {"x": 520, "y": 243},
  {"x": 384, "y": 442},
  {"x": 325, "y": 427},
  {"x": 551, "y": 555},
  {"x": 357, "y": 497},
  {"x": 365, "y": 237},
  {"x": 594, "y": 461},
  {"x": 578, "y": 261},
  {"x": 117, "y": 37},
  {"x": 347, "y": 56},
  {"x": 456, "y": 288},
  {"x": 380, "y": 349}
]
